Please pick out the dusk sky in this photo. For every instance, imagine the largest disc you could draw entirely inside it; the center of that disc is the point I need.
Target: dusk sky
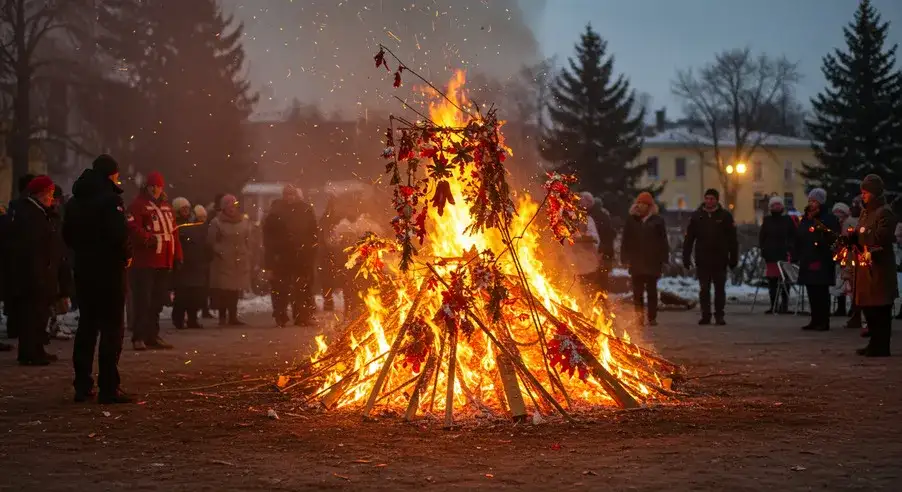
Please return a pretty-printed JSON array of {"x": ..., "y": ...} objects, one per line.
[{"x": 320, "y": 51}]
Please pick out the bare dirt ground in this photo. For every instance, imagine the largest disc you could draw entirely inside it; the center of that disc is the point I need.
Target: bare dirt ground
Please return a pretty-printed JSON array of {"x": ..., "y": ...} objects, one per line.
[{"x": 778, "y": 409}]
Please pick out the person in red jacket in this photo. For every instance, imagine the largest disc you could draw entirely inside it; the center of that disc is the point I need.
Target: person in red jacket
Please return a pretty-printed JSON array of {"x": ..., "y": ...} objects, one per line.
[{"x": 156, "y": 245}]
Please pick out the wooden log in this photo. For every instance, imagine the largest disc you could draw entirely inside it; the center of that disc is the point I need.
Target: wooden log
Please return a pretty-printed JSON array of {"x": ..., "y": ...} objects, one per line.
[
  {"x": 414, "y": 404},
  {"x": 452, "y": 367},
  {"x": 511, "y": 386},
  {"x": 396, "y": 344},
  {"x": 611, "y": 384}
]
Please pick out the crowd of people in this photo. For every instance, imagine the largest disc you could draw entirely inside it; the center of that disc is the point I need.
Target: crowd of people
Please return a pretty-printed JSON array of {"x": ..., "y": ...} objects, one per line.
[
  {"x": 868, "y": 275},
  {"x": 115, "y": 259}
]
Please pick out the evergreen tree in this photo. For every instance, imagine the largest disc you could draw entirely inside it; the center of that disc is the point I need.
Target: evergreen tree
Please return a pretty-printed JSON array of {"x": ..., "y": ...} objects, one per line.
[
  {"x": 594, "y": 129},
  {"x": 189, "y": 72},
  {"x": 857, "y": 122}
]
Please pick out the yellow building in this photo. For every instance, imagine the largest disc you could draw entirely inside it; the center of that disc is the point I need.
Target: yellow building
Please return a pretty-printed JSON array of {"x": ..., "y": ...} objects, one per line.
[{"x": 676, "y": 158}]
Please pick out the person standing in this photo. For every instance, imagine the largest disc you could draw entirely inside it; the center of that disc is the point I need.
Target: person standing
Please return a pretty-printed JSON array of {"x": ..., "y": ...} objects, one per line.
[
  {"x": 814, "y": 248},
  {"x": 711, "y": 235},
  {"x": 229, "y": 238},
  {"x": 848, "y": 274},
  {"x": 843, "y": 215},
  {"x": 156, "y": 251},
  {"x": 41, "y": 276},
  {"x": 876, "y": 285},
  {"x": 96, "y": 230},
  {"x": 189, "y": 278},
  {"x": 644, "y": 249},
  {"x": 9, "y": 305},
  {"x": 289, "y": 243},
  {"x": 203, "y": 219},
  {"x": 775, "y": 240}
]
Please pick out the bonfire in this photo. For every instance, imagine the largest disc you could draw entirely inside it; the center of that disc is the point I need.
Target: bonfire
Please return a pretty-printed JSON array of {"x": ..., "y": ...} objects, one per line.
[{"x": 469, "y": 321}]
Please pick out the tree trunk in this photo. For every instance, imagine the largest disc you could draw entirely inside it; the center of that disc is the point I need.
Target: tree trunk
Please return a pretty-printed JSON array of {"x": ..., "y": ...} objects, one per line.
[{"x": 20, "y": 141}]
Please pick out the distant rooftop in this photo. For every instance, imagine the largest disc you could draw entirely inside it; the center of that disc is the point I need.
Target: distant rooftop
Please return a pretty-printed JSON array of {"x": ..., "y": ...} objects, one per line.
[{"x": 681, "y": 137}]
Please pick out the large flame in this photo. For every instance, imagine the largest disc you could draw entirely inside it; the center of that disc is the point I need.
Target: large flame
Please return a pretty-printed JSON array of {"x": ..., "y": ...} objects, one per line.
[{"x": 478, "y": 380}]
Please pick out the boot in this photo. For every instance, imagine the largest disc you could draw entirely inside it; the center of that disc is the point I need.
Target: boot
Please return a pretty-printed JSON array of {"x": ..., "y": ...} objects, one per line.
[
  {"x": 82, "y": 396},
  {"x": 840, "y": 306},
  {"x": 158, "y": 344},
  {"x": 115, "y": 398},
  {"x": 706, "y": 320},
  {"x": 720, "y": 321}
]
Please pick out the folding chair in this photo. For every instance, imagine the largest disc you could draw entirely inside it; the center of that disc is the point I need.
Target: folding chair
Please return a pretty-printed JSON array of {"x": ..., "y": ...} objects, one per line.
[{"x": 789, "y": 284}]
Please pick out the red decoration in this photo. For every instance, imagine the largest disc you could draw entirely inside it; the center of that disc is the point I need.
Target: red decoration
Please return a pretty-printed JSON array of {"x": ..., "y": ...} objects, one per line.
[
  {"x": 564, "y": 213},
  {"x": 442, "y": 196},
  {"x": 421, "y": 339},
  {"x": 566, "y": 351}
]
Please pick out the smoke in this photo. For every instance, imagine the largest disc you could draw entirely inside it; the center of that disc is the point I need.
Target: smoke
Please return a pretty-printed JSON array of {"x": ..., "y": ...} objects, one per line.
[{"x": 321, "y": 51}]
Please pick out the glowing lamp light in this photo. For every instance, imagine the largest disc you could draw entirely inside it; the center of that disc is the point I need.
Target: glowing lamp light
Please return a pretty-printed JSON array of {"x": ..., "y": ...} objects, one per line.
[
  {"x": 741, "y": 168},
  {"x": 729, "y": 169}
]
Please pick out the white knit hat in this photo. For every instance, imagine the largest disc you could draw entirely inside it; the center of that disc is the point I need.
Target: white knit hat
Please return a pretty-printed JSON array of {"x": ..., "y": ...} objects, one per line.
[
  {"x": 200, "y": 212},
  {"x": 775, "y": 200},
  {"x": 841, "y": 207},
  {"x": 180, "y": 203}
]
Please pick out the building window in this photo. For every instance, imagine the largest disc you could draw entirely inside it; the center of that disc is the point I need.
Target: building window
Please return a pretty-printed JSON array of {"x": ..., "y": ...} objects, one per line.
[
  {"x": 760, "y": 201},
  {"x": 788, "y": 172},
  {"x": 789, "y": 201},
  {"x": 758, "y": 171},
  {"x": 680, "y": 168},
  {"x": 652, "y": 167}
]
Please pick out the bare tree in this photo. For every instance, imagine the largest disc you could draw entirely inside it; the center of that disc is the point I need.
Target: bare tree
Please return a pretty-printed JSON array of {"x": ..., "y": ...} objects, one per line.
[
  {"x": 26, "y": 28},
  {"x": 731, "y": 102}
]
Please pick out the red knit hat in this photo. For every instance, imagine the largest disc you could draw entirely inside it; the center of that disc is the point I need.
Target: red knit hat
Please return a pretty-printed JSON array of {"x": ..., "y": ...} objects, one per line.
[
  {"x": 646, "y": 198},
  {"x": 39, "y": 184},
  {"x": 154, "y": 179}
]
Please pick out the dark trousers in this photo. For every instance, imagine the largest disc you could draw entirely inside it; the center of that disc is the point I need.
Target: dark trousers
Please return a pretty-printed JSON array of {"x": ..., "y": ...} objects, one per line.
[
  {"x": 33, "y": 314},
  {"x": 819, "y": 299},
  {"x": 773, "y": 284},
  {"x": 880, "y": 324},
  {"x": 226, "y": 303},
  {"x": 645, "y": 284},
  {"x": 101, "y": 313},
  {"x": 149, "y": 287},
  {"x": 13, "y": 318},
  {"x": 187, "y": 301},
  {"x": 294, "y": 290},
  {"x": 716, "y": 276},
  {"x": 840, "y": 306}
]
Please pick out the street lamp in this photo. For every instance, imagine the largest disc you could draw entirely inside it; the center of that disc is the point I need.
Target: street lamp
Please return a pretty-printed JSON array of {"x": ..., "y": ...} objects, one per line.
[{"x": 735, "y": 172}]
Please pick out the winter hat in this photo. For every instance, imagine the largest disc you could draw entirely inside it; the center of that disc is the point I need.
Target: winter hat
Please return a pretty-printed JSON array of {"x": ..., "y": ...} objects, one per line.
[
  {"x": 227, "y": 202},
  {"x": 873, "y": 184},
  {"x": 106, "y": 165},
  {"x": 200, "y": 213},
  {"x": 842, "y": 208},
  {"x": 180, "y": 203},
  {"x": 818, "y": 195},
  {"x": 39, "y": 184},
  {"x": 775, "y": 200},
  {"x": 646, "y": 198},
  {"x": 154, "y": 179},
  {"x": 712, "y": 192},
  {"x": 586, "y": 200}
]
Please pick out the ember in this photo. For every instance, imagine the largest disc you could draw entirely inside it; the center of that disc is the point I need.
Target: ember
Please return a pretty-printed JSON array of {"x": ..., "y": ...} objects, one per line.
[{"x": 471, "y": 322}]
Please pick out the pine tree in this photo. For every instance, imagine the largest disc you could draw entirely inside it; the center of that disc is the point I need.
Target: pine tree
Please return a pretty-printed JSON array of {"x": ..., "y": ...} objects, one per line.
[
  {"x": 189, "y": 71},
  {"x": 857, "y": 122},
  {"x": 595, "y": 129}
]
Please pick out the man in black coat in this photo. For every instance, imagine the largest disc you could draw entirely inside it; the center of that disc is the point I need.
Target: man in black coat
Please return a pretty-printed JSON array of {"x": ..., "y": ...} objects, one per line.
[
  {"x": 290, "y": 243},
  {"x": 9, "y": 305},
  {"x": 712, "y": 236},
  {"x": 38, "y": 269},
  {"x": 815, "y": 237},
  {"x": 775, "y": 240},
  {"x": 96, "y": 230},
  {"x": 876, "y": 283},
  {"x": 645, "y": 250}
]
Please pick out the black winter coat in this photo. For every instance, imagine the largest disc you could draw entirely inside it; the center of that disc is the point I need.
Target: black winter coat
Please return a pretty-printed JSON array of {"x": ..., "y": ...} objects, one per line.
[
  {"x": 777, "y": 237},
  {"x": 644, "y": 247},
  {"x": 712, "y": 237},
  {"x": 96, "y": 230},
  {"x": 876, "y": 282},
  {"x": 606, "y": 233},
  {"x": 290, "y": 236},
  {"x": 194, "y": 270},
  {"x": 814, "y": 249},
  {"x": 37, "y": 254}
]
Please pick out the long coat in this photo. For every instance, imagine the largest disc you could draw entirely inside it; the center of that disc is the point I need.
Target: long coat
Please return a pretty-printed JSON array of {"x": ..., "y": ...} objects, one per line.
[
  {"x": 194, "y": 271},
  {"x": 814, "y": 249},
  {"x": 776, "y": 238},
  {"x": 38, "y": 255},
  {"x": 876, "y": 283},
  {"x": 644, "y": 246},
  {"x": 230, "y": 244},
  {"x": 290, "y": 238}
]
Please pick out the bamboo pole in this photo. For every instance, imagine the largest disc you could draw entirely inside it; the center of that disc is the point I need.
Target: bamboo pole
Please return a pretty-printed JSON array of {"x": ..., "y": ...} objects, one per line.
[
  {"x": 414, "y": 404},
  {"x": 511, "y": 387},
  {"x": 449, "y": 391}
]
